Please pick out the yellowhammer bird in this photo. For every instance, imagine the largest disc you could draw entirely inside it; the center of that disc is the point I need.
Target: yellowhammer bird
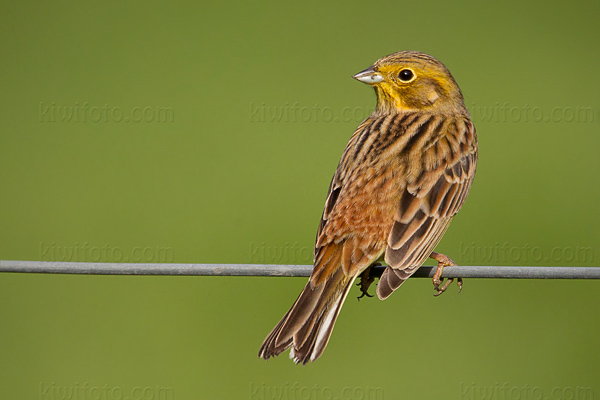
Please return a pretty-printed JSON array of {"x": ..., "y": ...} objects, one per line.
[{"x": 404, "y": 175}]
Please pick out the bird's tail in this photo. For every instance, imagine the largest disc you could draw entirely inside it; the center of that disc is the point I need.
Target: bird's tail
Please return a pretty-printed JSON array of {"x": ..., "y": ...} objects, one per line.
[{"x": 307, "y": 326}]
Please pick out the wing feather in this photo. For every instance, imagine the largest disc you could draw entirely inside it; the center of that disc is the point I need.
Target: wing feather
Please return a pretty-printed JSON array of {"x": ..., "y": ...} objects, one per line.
[{"x": 427, "y": 206}]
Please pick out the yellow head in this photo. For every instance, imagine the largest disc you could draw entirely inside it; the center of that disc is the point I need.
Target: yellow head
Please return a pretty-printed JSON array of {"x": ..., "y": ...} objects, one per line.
[{"x": 413, "y": 81}]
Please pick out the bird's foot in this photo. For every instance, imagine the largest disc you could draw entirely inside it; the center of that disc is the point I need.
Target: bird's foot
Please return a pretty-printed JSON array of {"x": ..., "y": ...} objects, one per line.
[
  {"x": 366, "y": 279},
  {"x": 438, "y": 282}
]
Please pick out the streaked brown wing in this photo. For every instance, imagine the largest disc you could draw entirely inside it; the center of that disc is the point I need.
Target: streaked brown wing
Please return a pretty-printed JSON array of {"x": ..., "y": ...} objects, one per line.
[{"x": 428, "y": 204}]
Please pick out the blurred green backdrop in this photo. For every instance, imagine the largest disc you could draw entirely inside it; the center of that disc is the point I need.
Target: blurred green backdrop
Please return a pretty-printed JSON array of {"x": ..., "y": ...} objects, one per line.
[{"x": 208, "y": 133}]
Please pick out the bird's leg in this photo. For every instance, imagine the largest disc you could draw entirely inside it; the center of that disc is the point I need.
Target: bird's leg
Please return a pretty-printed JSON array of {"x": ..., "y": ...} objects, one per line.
[
  {"x": 366, "y": 279},
  {"x": 438, "y": 282}
]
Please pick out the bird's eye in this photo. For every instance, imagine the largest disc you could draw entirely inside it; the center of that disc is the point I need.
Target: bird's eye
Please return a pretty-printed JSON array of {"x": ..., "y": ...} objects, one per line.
[{"x": 406, "y": 75}]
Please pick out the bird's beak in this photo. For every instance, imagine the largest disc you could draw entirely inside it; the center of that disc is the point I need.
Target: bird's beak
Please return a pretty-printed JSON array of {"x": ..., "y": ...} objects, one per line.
[{"x": 369, "y": 76}]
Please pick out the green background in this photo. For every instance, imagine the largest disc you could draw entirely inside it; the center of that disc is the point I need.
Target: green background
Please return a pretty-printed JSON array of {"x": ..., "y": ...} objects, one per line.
[{"x": 220, "y": 177}]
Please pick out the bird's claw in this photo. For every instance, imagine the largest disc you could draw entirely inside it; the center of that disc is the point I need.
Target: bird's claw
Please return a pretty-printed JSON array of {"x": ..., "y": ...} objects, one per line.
[
  {"x": 365, "y": 282},
  {"x": 439, "y": 285},
  {"x": 365, "y": 293}
]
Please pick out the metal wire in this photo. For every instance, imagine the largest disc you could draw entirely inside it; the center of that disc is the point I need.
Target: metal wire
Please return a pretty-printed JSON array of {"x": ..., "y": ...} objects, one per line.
[{"x": 490, "y": 272}]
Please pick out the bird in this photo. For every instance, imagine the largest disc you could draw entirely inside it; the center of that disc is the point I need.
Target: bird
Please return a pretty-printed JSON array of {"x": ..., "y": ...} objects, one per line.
[{"x": 404, "y": 174}]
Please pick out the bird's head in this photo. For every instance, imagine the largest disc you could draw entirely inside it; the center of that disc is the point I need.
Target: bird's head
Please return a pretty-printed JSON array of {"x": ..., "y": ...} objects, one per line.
[{"x": 413, "y": 81}]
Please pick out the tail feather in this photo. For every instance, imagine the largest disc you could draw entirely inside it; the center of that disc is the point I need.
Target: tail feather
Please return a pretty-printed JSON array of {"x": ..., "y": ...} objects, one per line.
[
  {"x": 391, "y": 279},
  {"x": 307, "y": 327}
]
